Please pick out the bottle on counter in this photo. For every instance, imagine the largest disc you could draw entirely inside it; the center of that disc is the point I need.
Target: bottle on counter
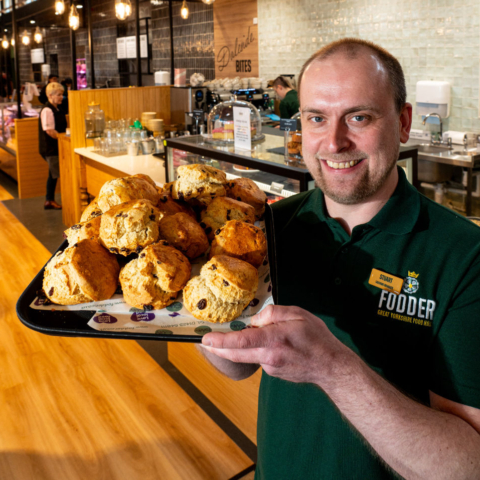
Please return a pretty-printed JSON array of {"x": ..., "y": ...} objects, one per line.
[{"x": 94, "y": 121}]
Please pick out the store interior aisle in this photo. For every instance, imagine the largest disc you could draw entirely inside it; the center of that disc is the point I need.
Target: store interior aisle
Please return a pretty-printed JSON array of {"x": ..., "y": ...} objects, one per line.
[{"x": 76, "y": 408}]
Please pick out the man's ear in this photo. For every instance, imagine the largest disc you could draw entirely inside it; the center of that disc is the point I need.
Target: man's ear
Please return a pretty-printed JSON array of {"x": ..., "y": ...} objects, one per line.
[{"x": 405, "y": 122}]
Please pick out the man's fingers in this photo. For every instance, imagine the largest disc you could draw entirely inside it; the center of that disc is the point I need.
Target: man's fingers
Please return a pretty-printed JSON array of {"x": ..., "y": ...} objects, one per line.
[
  {"x": 250, "y": 355},
  {"x": 278, "y": 313},
  {"x": 244, "y": 339}
]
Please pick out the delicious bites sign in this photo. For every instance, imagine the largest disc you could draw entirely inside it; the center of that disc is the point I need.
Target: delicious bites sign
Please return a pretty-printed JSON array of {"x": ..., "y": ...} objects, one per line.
[{"x": 236, "y": 38}]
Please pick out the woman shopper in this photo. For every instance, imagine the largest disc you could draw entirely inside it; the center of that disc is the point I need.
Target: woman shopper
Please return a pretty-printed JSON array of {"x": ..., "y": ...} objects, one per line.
[{"x": 52, "y": 122}]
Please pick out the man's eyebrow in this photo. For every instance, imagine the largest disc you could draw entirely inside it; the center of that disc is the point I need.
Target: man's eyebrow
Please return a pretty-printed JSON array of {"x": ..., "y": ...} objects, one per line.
[{"x": 356, "y": 108}]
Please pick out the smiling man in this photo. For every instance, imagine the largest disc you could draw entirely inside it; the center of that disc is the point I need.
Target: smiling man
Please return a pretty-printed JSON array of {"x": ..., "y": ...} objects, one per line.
[{"x": 370, "y": 359}]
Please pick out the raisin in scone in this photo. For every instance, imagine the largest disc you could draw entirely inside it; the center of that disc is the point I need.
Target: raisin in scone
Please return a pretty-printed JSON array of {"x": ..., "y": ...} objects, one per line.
[
  {"x": 153, "y": 280},
  {"x": 246, "y": 190},
  {"x": 184, "y": 233},
  {"x": 83, "y": 273},
  {"x": 92, "y": 211},
  {"x": 168, "y": 206},
  {"x": 121, "y": 190},
  {"x": 222, "y": 291},
  {"x": 222, "y": 210},
  {"x": 240, "y": 240},
  {"x": 199, "y": 183},
  {"x": 80, "y": 231},
  {"x": 129, "y": 227}
]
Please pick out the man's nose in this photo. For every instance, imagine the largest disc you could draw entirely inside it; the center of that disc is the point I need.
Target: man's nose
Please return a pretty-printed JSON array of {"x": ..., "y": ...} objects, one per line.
[{"x": 337, "y": 139}]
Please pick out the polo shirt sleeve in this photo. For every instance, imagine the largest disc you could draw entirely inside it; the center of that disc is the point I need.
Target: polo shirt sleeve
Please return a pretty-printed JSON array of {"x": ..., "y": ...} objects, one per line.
[
  {"x": 456, "y": 347},
  {"x": 48, "y": 120}
]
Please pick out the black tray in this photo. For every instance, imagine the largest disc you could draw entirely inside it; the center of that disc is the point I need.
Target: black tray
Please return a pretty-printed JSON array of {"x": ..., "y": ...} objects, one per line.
[{"x": 75, "y": 323}]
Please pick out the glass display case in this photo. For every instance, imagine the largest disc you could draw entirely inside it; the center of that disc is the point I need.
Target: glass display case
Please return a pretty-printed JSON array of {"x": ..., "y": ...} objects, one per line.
[
  {"x": 7, "y": 131},
  {"x": 264, "y": 163}
]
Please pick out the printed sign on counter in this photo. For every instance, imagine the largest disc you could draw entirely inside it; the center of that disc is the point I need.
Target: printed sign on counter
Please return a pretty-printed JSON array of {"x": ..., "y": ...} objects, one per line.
[{"x": 241, "y": 128}]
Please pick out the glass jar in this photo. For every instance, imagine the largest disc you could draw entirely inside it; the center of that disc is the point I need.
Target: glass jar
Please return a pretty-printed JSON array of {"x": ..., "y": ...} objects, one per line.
[
  {"x": 221, "y": 124},
  {"x": 94, "y": 121},
  {"x": 293, "y": 147}
]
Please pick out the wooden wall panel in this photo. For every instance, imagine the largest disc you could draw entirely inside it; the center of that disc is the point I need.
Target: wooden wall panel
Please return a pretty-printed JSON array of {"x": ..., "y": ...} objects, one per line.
[
  {"x": 69, "y": 179},
  {"x": 236, "y": 38},
  {"x": 97, "y": 176},
  {"x": 32, "y": 169}
]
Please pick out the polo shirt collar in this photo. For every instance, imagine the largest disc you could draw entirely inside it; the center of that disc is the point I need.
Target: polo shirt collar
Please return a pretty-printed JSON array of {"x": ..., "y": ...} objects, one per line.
[{"x": 398, "y": 216}]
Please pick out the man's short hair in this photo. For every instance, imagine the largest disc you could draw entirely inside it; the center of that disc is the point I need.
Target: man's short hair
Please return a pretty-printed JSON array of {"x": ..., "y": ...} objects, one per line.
[
  {"x": 53, "y": 88},
  {"x": 283, "y": 82},
  {"x": 352, "y": 48},
  {"x": 52, "y": 75}
]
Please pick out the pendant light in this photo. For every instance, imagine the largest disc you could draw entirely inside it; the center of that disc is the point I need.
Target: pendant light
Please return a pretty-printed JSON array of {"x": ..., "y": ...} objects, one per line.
[
  {"x": 5, "y": 42},
  {"x": 123, "y": 9},
  {"x": 25, "y": 38},
  {"x": 73, "y": 18},
  {"x": 38, "y": 37},
  {"x": 59, "y": 7},
  {"x": 12, "y": 41},
  {"x": 184, "y": 11},
  {"x": 208, "y": 2}
]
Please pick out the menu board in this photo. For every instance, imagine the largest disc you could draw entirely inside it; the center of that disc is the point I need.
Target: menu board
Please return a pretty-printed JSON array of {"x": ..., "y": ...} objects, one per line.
[
  {"x": 241, "y": 128},
  {"x": 127, "y": 47},
  {"x": 37, "y": 55}
]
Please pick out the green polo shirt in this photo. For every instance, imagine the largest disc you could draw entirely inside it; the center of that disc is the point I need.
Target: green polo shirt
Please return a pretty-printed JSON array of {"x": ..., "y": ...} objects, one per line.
[
  {"x": 289, "y": 105},
  {"x": 426, "y": 338}
]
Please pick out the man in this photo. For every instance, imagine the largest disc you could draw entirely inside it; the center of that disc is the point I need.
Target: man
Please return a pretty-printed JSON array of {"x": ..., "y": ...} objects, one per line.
[
  {"x": 52, "y": 122},
  {"x": 289, "y": 104},
  {"x": 42, "y": 98},
  {"x": 365, "y": 381}
]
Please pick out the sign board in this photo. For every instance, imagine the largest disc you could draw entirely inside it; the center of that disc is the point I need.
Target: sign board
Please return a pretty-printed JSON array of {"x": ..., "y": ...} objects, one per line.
[
  {"x": 127, "y": 47},
  {"x": 241, "y": 128},
  {"x": 288, "y": 124},
  {"x": 236, "y": 38},
  {"x": 37, "y": 55}
]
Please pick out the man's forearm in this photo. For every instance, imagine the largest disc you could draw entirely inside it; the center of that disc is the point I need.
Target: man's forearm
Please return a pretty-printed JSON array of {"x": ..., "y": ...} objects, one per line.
[
  {"x": 416, "y": 441},
  {"x": 235, "y": 371}
]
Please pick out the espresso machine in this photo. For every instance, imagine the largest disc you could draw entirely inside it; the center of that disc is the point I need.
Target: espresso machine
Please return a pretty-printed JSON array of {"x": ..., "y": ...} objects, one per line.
[
  {"x": 185, "y": 105},
  {"x": 257, "y": 97}
]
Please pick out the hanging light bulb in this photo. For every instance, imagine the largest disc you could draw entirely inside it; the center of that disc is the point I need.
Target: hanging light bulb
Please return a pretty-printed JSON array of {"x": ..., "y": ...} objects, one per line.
[
  {"x": 38, "y": 37},
  {"x": 73, "y": 18},
  {"x": 208, "y": 2},
  {"x": 26, "y": 38},
  {"x": 123, "y": 9},
  {"x": 5, "y": 42},
  {"x": 59, "y": 7},
  {"x": 12, "y": 41},
  {"x": 184, "y": 11}
]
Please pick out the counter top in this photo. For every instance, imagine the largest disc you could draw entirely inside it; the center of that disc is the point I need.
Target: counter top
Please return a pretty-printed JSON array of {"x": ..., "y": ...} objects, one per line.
[{"x": 149, "y": 165}]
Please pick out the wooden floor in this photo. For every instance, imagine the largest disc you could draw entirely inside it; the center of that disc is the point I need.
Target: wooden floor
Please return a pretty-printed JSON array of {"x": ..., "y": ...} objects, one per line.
[{"x": 92, "y": 409}]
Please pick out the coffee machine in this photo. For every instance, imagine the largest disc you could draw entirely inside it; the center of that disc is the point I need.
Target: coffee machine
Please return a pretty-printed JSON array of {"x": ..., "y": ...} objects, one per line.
[
  {"x": 257, "y": 97},
  {"x": 184, "y": 101}
]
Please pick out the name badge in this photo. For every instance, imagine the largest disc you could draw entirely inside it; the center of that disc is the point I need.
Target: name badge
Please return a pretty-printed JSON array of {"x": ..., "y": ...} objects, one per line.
[{"x": 385, "y": 281}]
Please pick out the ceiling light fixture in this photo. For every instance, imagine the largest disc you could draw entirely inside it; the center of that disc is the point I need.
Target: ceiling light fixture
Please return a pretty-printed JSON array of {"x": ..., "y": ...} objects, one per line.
[
  {"x": 38, "y": 37},
  {"x": 26, "y": 38},
  {"x": 73, "y": 18},
  {"x": 32, "y": 21},
  {"x": 5, "y": 42},
  {"x": 208, "y": 2},
  {"x": 12, "y": 41},
  {"x": 123, "y": 9},
  {"x": 59, "y": 7},
  {"x": 184, "y": 11}
]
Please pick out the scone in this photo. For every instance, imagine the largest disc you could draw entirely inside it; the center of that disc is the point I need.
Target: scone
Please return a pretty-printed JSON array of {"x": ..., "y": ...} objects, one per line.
[
  {"x": 153, "y": 280},
  {"x": 223, "y": 209},
  {"x": 246, "y": 190},
  {"x": 240, "y": 240},
  {"x": 199, "y": 183},
  {"x": 83, "y": 273},
  {"x": 168, "y": 206},
  {"x": 222, "y": 291},
  {"x": 121, "y": 190},
  {"x": 92, "y": 211},
  {"x": 129, "y": 227},
  {"x": 184, "y": 233},
  {"x": 80, "y": 231}
]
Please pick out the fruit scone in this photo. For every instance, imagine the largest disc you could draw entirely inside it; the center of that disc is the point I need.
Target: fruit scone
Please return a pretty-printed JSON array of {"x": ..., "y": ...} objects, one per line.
[
  {"x": 154, "y": 279},
  {"x": 85, "y": 272},
  {"x": 221, "y": 292},
  {"x": 199, "y": 183}
]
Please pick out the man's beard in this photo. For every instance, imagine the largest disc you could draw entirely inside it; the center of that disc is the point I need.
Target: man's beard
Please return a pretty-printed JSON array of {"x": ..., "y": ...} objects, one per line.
[{"x": 369, "y": 183}]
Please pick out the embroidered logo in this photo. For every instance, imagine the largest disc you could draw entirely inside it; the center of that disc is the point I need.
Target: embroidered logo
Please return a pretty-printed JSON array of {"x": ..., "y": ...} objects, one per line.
[{"x": 411, "y": 284}]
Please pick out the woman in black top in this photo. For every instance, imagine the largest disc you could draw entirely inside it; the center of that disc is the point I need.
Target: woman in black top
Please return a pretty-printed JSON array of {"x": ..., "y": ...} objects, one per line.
[{"x": 52, "y": 122}]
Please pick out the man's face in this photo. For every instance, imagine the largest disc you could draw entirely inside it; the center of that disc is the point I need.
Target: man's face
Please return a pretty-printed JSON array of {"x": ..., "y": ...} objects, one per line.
[
  {"x": 280, "y": 91},
  {"x": 351, "y": 130},
  {"x": 54, "y": 79}
]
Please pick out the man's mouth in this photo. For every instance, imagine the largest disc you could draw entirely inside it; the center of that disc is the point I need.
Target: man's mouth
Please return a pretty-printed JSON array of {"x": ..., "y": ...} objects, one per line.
[{"x": 342, "y": 165}]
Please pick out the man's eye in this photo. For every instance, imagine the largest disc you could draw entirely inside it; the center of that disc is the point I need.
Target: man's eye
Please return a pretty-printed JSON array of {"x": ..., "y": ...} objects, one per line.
[
  {"x": 359, "y": 118},
  {"x": 317, "y": 119}
]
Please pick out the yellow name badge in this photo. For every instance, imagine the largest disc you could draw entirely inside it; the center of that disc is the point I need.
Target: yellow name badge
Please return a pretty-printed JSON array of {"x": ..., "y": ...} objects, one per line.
[{"x": 385, "y": 281}]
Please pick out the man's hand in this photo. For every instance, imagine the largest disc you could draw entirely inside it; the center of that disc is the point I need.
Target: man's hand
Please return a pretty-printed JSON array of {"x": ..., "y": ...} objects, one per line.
[{"x": 291, "y": 344}]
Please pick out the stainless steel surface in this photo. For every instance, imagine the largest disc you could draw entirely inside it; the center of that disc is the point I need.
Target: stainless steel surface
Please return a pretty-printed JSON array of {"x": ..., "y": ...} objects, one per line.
[{"x": 434, "y": 115}]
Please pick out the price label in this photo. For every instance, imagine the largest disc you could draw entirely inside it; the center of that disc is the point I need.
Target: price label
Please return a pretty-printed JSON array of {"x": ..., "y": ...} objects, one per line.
[
  {"x": 276, "y": 188},
  {"x": 198, "y": 114},
  {"x": 289, "y": 125}
]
